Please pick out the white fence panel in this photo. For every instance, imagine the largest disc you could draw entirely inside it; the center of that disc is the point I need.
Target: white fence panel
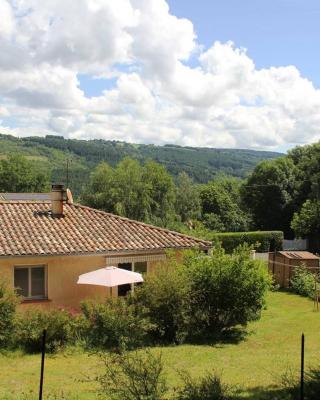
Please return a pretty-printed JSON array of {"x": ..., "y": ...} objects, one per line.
[
  {"x": 262, "y": 256},
  {"x": 296, "y": 244}
]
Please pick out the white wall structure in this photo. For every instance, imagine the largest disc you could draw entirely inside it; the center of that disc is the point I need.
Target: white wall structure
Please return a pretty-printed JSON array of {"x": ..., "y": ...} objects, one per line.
[{"x": 296, "y": 244}]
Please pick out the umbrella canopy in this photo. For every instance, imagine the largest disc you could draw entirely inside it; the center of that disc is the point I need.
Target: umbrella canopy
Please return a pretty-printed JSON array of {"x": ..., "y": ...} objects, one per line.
[{"x": 110, "y": 276}]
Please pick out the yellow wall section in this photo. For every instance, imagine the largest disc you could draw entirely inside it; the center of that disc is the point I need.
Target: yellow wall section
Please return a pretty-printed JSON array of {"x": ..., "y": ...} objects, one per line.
[{"x": 62, "y": 276}]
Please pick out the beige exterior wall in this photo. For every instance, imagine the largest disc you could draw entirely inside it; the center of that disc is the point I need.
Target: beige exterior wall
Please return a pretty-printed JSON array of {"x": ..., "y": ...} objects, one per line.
[{"x": 63, "y": 273}]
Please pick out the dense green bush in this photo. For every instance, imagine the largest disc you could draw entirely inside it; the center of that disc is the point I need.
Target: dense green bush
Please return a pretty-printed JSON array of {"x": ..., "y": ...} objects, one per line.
[
  {"x": 115, "y": 324},
  {"x": 209, "y": 387},
  {"x": 263, "y": 241},
  {"x": 165, "y": 294},
  {"x": 303, "y": 282},
  {"x": 225, "y": 290},
  {"x": 204, "y": 295},
  {"x": 136, "y": 375},
  {"x": 8, "y": 303},
  {"x": 62, "y": 328}
]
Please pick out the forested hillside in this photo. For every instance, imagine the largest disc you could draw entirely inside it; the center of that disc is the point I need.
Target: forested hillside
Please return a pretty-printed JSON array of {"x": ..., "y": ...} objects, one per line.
[
  {"x": 164, "y": 186},
  {"x": 202, "y": 164}
]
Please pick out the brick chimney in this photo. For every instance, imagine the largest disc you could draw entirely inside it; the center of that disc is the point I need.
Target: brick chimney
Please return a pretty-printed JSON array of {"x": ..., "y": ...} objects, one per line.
[{"x": 57, "y": 198}]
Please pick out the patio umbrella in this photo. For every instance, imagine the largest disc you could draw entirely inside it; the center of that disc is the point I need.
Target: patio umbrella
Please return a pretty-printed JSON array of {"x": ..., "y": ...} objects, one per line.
[{"x": 110, "y": 277}]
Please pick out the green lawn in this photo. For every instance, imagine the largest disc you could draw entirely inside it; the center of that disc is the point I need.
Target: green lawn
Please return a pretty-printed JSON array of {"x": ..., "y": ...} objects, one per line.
[{"x": 271, "y": 346}]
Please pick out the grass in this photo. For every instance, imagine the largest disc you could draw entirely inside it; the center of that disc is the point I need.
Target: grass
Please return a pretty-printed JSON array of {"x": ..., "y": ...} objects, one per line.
[{"x": 255, "y": 364}]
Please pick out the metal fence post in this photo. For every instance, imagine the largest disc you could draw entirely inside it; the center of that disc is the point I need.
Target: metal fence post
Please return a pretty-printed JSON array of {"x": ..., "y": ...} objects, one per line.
[
  {"x": 43, "y": 352},
  {"x": 302, "y": 369}
]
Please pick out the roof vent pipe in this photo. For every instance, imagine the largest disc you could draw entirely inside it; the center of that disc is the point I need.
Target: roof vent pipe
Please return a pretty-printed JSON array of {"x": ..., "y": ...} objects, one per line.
[{"x": 57, "y": 197}]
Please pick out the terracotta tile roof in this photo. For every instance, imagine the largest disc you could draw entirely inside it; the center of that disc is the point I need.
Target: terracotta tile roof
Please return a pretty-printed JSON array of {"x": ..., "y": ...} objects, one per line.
[
  {"x": 299, "y": 255},
  {"x": 27, "y": 228}
]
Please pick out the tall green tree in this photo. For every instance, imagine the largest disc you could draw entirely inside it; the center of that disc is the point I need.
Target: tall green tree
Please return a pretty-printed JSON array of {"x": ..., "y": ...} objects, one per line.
[
  {"x": 161, "y": 192},
  {"x": 306, "y": 222},
  {"x": 142, "y": 192},
  {"x": 187, "y": 198},
  {"x": 130, "y": 191},
  {"x": 17, "y": 174},
  {"x": 98, "y": 192},
  {"x": 269, "y": 194},
  {"x": 307, "y": 164},
  {"x": 221, "y": 206}
]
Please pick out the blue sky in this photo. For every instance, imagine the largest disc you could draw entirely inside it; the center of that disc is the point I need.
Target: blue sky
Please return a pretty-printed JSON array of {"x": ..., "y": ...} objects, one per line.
[
  {"x": 94, "y": 86},
  {"x": 275, "y": 32}
]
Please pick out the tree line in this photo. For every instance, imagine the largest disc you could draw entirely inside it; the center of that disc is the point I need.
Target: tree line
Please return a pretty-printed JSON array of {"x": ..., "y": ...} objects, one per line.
[
  {"x": 202, "y": 164},
  {"x": 280, "y": 194},
  {"x": 285, "y": 193}
]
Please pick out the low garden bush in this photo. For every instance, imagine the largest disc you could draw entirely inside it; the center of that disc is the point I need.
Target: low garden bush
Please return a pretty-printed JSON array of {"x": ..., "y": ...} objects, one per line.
[
  {"x": 8, "y": 304},
  {"x": 209, "y": 387},
  {"x": 303, "y": 282},
  {"x": 262, "y": 241},
  {"x": 62, "y": 329},
  {"x": 137, "y": 375},
  {"x": 165, "y": 295},
  {"x": 115, "y": 324},
  {"x": 290, "y": 382},
  {"x": 312, "y": 384}
]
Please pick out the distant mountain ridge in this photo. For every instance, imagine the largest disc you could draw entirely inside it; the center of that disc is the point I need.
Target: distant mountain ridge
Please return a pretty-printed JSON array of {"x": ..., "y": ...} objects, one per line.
[{"x": 201, "y": 163}]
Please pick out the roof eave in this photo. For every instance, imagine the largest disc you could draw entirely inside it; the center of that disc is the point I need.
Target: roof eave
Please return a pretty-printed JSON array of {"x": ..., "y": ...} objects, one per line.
[{"x": 108, "y": 253}]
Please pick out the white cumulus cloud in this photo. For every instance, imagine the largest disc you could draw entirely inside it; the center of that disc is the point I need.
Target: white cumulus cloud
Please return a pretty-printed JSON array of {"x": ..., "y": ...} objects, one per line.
[{"x": 222, "y": 100}]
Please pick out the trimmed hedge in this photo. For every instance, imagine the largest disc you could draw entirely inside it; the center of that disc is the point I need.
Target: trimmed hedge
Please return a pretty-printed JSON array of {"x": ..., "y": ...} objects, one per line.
[{"x": 262, "y": 241}]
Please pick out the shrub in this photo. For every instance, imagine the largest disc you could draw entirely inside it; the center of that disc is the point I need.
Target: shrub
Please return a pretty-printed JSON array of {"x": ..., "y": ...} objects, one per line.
[
  {"x": 34, "y": 395},
  {"x": 204, "y": 295},
  {"x": 263, "y": 241},
  {"x": 290, "y": 382},
  {"x": 312, "y": 384},
  {"x": 165, "y": 294},
  {"x": 226, "y": 290},
  {"x": 136, "y": 375},
  {"x": 8, "y": 303},
  {"x": 61, "y": 329},
  {"x": 303, "y": 282},
  {"x": 115, "y": 324},
  {"x": 209, "y": 387}
]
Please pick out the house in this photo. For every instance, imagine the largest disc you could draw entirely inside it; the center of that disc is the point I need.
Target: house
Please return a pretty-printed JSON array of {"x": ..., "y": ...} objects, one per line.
[
  {"x": 46, "y": 244},
  {"x": 282, "y": 264}
]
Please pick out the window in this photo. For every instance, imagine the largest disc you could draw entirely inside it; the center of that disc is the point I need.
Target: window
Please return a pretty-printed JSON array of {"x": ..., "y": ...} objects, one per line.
[
  {"x": 141, "y": 267},
  {"x": 124, "y": 289},
  {"x": 30, "y": 281},
  {"x": 138, "y": 266}
]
